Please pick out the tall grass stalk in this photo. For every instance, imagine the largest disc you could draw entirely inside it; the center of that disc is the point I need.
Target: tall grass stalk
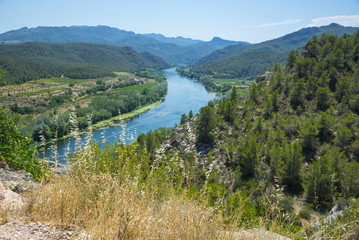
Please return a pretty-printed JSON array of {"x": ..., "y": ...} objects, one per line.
[{"x": 119, "y": 202}]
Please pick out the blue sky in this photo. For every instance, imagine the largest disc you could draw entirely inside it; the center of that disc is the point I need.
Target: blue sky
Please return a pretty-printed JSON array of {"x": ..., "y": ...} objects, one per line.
[{"x": 253, "y": 20}]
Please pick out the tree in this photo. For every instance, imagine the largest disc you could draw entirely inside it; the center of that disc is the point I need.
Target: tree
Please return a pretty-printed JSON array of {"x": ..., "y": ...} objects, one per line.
[
  {"x": 291, "y": 173},
  {"x": 344, "y": 137},
  {"x": 325, "y": 124},
  {"x": 234, "y": 95},
  {"x": 227, "y": 110},
  {"x": 190, "y": 114},
  {"x": 184, "y": 118},
  {"x": 342, "y": 88},
  {"x": 320, "y": 181},
  {"x": 309, "y": 136},
  {"x": 254, "y": 95},
  {"x": 297, "y": 94},
  {"x": 248, "y": 154},
  {"x": 268, "y": 108},
  {"x": 276, "y": 161},
  {"x": 323, "y": 98},
  {"x": 292, "y": 58},
  {"x": 206, "y": 125}
]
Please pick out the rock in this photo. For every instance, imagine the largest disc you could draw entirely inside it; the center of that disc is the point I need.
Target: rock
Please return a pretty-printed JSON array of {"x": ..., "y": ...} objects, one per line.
[
  {"x": 19, "y": 188},
  {"x": 256, "y": 233},
  {"x": 265, "y": 77},
  {"x": 60, "y": 169},
  {"x": 17, "y": 181},
  {"x": 10, "y": 199},
  {"x": 22, "y": 231}
]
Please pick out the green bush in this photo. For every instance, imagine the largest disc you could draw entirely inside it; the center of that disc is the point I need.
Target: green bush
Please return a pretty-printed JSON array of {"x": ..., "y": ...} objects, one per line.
[
  {"x": 305, "y": 214},
  {"x": 15, "y": 149}
]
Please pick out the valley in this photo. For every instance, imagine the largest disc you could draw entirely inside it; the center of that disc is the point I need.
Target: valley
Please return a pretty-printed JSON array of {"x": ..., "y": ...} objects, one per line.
[{"x": 246, "y": 140}]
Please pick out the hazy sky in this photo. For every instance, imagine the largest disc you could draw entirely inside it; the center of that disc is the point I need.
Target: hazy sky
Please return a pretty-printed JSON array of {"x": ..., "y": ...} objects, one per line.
[{"x": 252, "y": 20}]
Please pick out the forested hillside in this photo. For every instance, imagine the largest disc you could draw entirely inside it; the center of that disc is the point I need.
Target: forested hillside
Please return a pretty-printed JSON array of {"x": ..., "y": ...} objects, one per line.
[
  {"x": 28, "y": 61},
  {"x": 252, "y": 60},
  {"x": 298, "y": 129}
]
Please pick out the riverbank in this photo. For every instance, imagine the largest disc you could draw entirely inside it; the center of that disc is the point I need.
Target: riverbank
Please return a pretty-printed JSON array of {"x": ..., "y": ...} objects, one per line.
[
  {"x": 125, "y": 117},
  {"x": 112, "y": 122}
]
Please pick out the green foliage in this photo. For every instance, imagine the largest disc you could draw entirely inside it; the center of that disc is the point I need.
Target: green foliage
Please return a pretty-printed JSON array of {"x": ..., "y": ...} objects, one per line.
[
  {"x": 323, "y": 98},
  {"x": 297, "y": 94},
  {"x": 305, "y": 214},
  {"x": 184, "y": 118},
  {"x": 325, "y": 124},
  {"x": 309, "y": 136},
  {"x": 291, "y": 172},
  {"x": 320, "y": 182},
  {"x": 206, "y": 124},
  {"x": 344, "y": 137},
  {"x": 190, "y": 114},
  {"x": 248, "y": 153},
  {"x": 15, "y": 149},
  {"x": 234, "y": 95}
]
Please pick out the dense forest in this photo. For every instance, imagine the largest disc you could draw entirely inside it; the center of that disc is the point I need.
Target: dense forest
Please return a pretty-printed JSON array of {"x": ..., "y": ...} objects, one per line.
[{"x": 29, "y": 61}]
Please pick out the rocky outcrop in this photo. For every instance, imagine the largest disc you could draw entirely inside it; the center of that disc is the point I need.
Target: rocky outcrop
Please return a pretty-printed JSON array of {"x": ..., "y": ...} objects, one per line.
[
  {"x": 17, "y": 181},
  {"x": 10, "y": 199},
  {"x": 265, "y": 77}
]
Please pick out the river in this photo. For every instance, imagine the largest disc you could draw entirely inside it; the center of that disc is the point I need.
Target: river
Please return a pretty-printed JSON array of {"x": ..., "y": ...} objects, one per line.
[{"x": 182, "y": 96}]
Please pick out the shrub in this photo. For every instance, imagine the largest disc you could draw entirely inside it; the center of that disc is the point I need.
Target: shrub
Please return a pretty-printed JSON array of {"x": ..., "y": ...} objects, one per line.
[{"x": 305, "y": 214}]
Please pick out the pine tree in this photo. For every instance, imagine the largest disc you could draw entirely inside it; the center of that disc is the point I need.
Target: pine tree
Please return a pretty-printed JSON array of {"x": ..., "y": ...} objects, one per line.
[
  {"x": 291, "y": 173},
  {"x": 206, "y": 125}
]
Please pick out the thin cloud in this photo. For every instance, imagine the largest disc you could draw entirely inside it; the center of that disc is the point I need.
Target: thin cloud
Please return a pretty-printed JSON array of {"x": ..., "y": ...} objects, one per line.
[
  {"x": 286, "y": 22},
  {"x": 352, "y": 20}
]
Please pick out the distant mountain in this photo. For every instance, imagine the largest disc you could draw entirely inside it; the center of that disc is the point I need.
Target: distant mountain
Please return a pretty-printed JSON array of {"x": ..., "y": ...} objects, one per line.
[
  {"x": 195, "y": 52},
  {"x": 98, "y": 34},
  {"x": 173, "y": 50},
  {"x": 27, "y": 61},
  {"x": 180, "y": 41},
  {"x": 250, "y": 60}
]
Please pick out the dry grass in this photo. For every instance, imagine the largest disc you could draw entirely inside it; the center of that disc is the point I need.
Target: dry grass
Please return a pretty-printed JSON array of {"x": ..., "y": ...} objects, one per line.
[{"x": 109, "y": 208}]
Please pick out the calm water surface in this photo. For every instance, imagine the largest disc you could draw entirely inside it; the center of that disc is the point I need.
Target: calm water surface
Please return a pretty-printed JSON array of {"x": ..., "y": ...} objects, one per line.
[{"x": 183, "y": 95}]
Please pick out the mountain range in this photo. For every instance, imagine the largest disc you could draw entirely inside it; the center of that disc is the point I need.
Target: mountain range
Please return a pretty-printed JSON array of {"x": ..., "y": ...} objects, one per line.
[
  {"x": 217, "y": 58},
  {"x": 173, "y": 50},
  {"x": 251, "y": 60}
]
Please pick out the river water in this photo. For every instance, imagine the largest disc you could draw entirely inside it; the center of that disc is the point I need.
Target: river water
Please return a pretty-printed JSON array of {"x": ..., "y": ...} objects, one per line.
[{"x": 183, "y": 95}]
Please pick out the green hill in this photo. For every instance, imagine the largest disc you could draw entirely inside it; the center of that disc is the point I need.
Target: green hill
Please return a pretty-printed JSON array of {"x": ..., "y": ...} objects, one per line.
[
  {"x": 28, "y": 61},
  {"x": 252, "y": 60}
]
